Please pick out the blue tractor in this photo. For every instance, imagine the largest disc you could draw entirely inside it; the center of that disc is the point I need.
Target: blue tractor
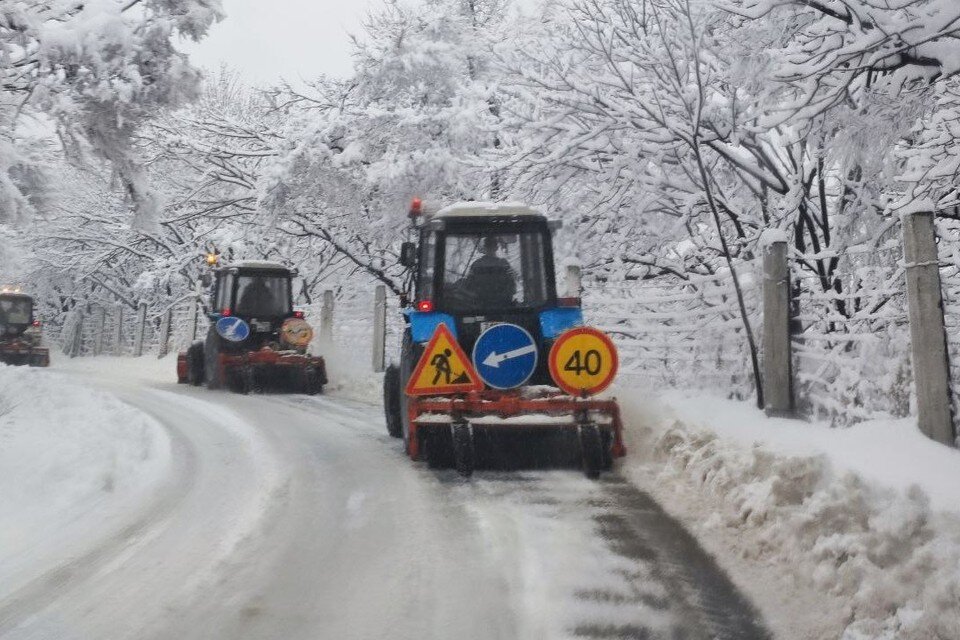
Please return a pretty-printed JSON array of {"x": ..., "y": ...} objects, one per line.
[{"x": 475, "y": 384}]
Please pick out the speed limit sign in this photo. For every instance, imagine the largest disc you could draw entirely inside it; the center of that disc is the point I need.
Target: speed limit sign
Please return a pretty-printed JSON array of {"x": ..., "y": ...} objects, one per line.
[{"x": 583, "y": 361}]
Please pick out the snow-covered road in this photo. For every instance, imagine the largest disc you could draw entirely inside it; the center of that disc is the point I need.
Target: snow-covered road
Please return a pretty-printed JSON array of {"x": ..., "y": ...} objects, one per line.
[{"x": 297, "y": 517}]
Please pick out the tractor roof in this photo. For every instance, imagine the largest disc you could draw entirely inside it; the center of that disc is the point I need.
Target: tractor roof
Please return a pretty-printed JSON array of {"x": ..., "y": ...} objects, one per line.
[
  {"x": 253, "y": 265},
  {"x": 482, "y": 209},
  {"x": 4, "y": 293}
]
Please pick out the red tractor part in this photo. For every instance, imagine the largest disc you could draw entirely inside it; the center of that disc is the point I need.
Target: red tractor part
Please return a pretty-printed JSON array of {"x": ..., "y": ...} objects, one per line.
[
  {"x": 596, "y": 422},
  {"x": 20, "y": 352},
  {"x": 244, "y": 371}
]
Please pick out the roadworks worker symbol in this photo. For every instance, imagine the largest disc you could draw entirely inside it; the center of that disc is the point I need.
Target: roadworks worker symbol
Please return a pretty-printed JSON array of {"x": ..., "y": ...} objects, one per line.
[
  {"x": 583, "y": 361},
  {"x": 443, "y": 368}
]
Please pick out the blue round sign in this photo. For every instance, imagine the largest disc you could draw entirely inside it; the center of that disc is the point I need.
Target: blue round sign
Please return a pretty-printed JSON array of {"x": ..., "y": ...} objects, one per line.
[
  {"x": 505, "y": 356},
  {"x": 233, "y": 329}
]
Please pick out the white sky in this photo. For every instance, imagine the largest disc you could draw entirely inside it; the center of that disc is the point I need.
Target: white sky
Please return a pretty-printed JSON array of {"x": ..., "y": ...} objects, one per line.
[{"x": 266, "y": 40}]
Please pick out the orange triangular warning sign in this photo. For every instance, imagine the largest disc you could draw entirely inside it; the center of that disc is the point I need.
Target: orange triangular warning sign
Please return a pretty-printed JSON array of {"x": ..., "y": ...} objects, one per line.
[{"x": 443, "y": 368}]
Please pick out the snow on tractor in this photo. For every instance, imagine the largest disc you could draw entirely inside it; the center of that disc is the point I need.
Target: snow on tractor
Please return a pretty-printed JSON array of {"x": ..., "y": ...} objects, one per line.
[
  {"x": 255, "y": 340},
  {"x": 495, "y": 369},
  {"x": 20, "y": 331}
]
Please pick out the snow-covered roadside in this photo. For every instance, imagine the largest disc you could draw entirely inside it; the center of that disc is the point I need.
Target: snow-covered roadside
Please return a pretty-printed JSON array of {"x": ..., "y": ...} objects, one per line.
[
  {"x": 73, "y": 462},
  {"x": 835, "y": 533}
]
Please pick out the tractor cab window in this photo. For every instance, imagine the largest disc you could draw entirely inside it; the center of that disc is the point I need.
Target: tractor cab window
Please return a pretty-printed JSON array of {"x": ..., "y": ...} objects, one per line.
[
  {"x": 15, "y": 311},
  {"x": 224, "y": 291},
  {"x": 493, "y": 271},
  {"x": 263, "y": 296}
]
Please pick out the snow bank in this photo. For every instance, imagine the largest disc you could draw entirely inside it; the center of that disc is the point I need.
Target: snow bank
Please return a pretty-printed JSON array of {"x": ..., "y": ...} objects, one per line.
[
  {"x": 350, "y": 374},
  {"x": 73, "y": 462},
  {"x": 866, "y": 519}
]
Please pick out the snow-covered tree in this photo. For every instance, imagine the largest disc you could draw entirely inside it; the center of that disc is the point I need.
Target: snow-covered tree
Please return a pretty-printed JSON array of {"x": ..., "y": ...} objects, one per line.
[{"x": 91, "y": 72}]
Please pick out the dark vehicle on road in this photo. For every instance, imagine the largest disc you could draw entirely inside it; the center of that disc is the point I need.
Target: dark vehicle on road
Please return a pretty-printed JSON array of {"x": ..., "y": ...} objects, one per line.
[
  {"x": 256, "y": 340},
  {"x": 20, "y": 331}
]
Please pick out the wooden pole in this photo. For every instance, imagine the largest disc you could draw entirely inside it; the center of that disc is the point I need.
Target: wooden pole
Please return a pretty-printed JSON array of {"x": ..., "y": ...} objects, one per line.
[
  {"x": 118, "y": 332},
  {"x": 165, "y": 323},
  {"x": 141, "y": 330},
  {"x": 101, "y": 330},
  {"x": 931, "y": 370}
]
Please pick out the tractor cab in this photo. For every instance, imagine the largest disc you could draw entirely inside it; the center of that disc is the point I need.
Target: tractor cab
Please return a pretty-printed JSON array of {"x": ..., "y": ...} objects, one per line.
[
  {"x": 477, "y": 265},
  {"x": 255, "y": 339},
  {"x": 259, "y": 293}
]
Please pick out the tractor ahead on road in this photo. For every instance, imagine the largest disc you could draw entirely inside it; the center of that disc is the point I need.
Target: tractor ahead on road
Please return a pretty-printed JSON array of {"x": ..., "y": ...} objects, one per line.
[
  {"x": 256, "y": 340},
  {"x": 20, "y": 331},
  {"x": 495, "y": 369}
]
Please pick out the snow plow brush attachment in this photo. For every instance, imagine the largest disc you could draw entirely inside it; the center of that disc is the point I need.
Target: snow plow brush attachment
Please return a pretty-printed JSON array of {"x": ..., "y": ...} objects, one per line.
[
  {"x": 266, "y": 370},
  {"x": 257, "y": 371},
  {"x": 24, "y": 354},
  {"x": 507, "y": 430}
]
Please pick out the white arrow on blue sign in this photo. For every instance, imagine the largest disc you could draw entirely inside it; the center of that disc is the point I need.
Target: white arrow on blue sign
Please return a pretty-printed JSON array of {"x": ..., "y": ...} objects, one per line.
[
  {"x": 233, "y": 329},
  {"x": 505, "y": 356}
]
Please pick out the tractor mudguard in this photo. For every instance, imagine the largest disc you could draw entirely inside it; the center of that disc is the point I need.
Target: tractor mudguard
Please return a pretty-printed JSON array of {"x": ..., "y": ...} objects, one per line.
[{"x": 424, "y": 323}]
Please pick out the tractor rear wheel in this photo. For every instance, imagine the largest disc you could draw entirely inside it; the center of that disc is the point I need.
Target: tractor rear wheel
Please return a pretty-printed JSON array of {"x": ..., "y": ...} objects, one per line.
[
  {"x": 591, "y": 450},
  {"x": 195, "y": 364},
  {"x": 212, "y": 373},
  {"x": 391, "y": 401},
  {"x": 463, "y": 454},
  {"x": 409, "y": 354}
]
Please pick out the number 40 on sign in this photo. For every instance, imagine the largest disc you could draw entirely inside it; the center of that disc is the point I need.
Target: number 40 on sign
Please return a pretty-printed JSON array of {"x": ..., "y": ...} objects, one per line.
[{"x": 583, "y": 361}]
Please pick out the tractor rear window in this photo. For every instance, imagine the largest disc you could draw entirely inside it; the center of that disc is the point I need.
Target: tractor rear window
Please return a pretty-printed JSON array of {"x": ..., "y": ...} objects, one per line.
[
  {"x": 493, "y": 271},
  {"x": 15, "y": 311},
  {"x": 263, "y": 296}
]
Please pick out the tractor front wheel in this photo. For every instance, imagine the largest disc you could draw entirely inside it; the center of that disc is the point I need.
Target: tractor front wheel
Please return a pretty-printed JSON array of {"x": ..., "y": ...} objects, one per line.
[{"x": 195, "y": 364}]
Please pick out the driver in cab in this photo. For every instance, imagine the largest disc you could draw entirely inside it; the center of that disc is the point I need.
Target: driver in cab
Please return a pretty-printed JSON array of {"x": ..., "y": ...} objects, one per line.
[{"x": 491, "y": 279}]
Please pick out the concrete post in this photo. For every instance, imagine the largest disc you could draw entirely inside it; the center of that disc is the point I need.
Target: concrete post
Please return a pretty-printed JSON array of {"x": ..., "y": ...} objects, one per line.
[
  {"x": 165, "y": 323},
  {"x": 141, "y": 330},
  {"x": 326, "y": 317},
  {"x": 101, "y": 329},
  {"x": 931, "y": 371},
  {"x": 573, "y": 281},
  {"x": 118, "y": 332},
  {"x": 777, "y": 356},
  {"x": 379, "y": 328}
]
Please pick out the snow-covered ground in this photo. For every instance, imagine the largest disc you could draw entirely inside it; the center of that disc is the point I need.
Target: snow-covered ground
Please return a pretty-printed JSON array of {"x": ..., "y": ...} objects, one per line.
[
  {"x": 71, "y": 459},
  {"x": 851, "y": 533},
  {"x": 299, "y": 517},
  {"x": 288, "y": 511}
]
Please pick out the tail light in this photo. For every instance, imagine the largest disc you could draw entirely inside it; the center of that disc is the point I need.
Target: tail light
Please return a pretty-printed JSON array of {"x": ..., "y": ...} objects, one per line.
[
  {"x": 416, "y": 207},
  {"x": 298, "y": 314},
  {"x": 36, "y": 323},
  {"x": 425, "y": 305},
  {"x": 226, "y": 313}
]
